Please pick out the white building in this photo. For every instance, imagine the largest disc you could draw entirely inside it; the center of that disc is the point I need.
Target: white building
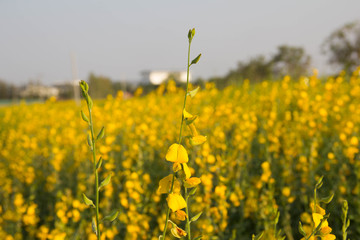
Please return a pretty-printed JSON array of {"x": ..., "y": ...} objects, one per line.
[
  {"x": 158, "y": 77},
  {"x": 39, "y": 91}
]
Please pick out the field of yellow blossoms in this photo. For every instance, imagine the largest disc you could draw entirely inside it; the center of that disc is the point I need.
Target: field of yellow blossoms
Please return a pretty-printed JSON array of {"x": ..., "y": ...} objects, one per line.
[{"x": 267, "y": 145}]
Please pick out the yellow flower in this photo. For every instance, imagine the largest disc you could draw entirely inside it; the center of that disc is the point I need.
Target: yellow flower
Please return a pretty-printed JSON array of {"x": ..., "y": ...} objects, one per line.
[
  {"x": 180, "y": 215},
  {"x": 187, "y": 115},
  {"x": 178, "y": 232},
  {"x": 165, "y": 185},
  {"x": 318, "y": 209},
  {"x": 177, "y": 153},
  {"x": 197, "y": 140},
  {"x": 317, "y": 219},
  {"x": 192, "y": 182},
  {"x": 176, "y": 201},
  {"x": 186, "y": 171}
]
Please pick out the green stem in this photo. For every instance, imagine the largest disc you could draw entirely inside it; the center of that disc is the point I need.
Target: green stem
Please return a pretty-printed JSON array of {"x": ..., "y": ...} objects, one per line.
[
  {"x": 180, "y": 137},
  {"x": 96, "y": 175},
  {"x": 168, "y": 209},
  {"x": 186, "y": 93},
  {"x": 187, "y": 213}
]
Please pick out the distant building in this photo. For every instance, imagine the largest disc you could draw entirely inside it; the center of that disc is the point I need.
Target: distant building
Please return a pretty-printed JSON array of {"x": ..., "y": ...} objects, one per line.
[
  {"x": 158, "y": 77},
  {"x": 38, "y": 91}
]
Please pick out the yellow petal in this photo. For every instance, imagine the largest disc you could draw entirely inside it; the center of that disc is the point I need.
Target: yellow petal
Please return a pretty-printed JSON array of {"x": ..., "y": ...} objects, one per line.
[
  {"x": 176, "y": 166},
  {"x": 193, "y": 129},
  {"x": 329, "y": 237},
  {"x": 325, "y": 230},
  {"x": 165, "y": 185},
  {"x": 317, "y": 219},
  {"x": 197, "y": 140},
  {"x": 176, "y": 202},
  {"x": 318, "y": 209},
  {"x": 192, "y": 182},
  {"x": 180, "y": 215},
  {"x": 177, "y": 153},
  {"x": 178, "y": 232},
  {"x": 187, "y": 115},
  {"x": 186, "y": 171}
]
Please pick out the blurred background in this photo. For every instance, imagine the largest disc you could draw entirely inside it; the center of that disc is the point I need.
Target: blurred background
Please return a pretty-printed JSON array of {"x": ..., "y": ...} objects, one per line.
[{"x": 47, "y": 46}]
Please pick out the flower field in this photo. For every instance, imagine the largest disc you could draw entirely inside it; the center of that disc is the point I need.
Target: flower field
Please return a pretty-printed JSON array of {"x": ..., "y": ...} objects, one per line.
[{"x": 267, "y": 146}]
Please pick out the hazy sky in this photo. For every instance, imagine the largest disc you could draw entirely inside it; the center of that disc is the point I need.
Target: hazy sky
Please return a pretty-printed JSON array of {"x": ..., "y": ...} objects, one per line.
[{"x": 119, "y": 39}]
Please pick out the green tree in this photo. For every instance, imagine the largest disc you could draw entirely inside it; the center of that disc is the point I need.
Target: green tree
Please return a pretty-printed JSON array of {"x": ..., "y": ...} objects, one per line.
[
  {"x": 343, "y": 46},
  {"x": 100, "y": 86},
  {"x": 291, "y": 61},
  {"x": 256, "y": 69}
]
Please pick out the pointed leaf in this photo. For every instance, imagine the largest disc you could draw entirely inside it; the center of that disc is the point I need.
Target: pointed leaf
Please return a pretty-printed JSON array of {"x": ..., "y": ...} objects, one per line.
[
  {"x": 84, "y": 117},
  {"x": 193, "y": 191},
  {"x": 101, "y": 134},
  {"x": 319, "y": 182},
  {"x": 196, "y": 217},
  {"x": 192, "y": 93},
  {"x": 87, "y": 200},
  {"x": 112, "y": 216},
  {"x": 195, "y": 60},
  {"x": 327, "y": 199},
  {"x": 301, "y": 229},
  {"x": 89, "y": 141},
  {"x": 259, "y": 236},
  {"x": 197, "y": 238},
  {"x": 98, "y": 164},
  {"x": 105, "y": 181},
  {"x": 190, "y": 120}
]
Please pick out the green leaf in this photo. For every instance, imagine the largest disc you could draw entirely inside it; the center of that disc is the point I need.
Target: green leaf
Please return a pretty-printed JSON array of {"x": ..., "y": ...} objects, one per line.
[
  {"x": 89, "y": 141},
  {"x": 93, "y": 226},
  {"x": 319, "y": 183},
  {"x": 193, "y": 191},
  {"x": 258, "y": 237},
  {"x": 277, "y": 217},
  {"x": 195, "y": 60},
  {"x": 101, "y": 134},
  {"x": 105, "y": 181},
  {"x": 87, "y": 200},
  {"x": 197, "y": 238},
  {"x": 98, "y": 164},
  {"x": 84, "y": 117},
  {"x": 190, "y": 120},
  {"x": 327, "y": 199},
  {"x": 192, "y": 93},
  {"x": 196, "y": 217},
  {"x": 301, "y": 229},
  {"x": 112, "y": 216}
]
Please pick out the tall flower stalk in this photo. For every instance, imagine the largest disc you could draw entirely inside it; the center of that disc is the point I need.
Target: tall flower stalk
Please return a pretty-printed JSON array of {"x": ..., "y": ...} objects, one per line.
[
  {"x": 91, "y": 139},
  {"x": 173, "y": 184}
]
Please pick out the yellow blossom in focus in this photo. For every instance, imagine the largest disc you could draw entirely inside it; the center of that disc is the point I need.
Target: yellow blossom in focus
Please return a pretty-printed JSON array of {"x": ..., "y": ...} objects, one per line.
[
  {"x": 177, "y": 153},
  {"x": 176, "y": 201},
  {"x": 192, "y": 182}
]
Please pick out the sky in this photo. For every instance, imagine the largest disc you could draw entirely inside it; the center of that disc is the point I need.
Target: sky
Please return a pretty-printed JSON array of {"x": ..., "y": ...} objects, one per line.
[{"x": 120, "y": 39}]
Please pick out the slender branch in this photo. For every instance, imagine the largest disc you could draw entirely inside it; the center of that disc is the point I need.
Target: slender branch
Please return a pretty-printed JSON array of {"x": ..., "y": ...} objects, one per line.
[{"x": 96, "y": 174}]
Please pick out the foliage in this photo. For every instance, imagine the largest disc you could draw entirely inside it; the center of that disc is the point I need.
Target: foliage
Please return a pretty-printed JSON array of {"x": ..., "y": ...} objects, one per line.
[
  {"x": 288, "y": 60},
  {"x": 343, "y": 46},
  {"x": 100, "y": 86}
]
